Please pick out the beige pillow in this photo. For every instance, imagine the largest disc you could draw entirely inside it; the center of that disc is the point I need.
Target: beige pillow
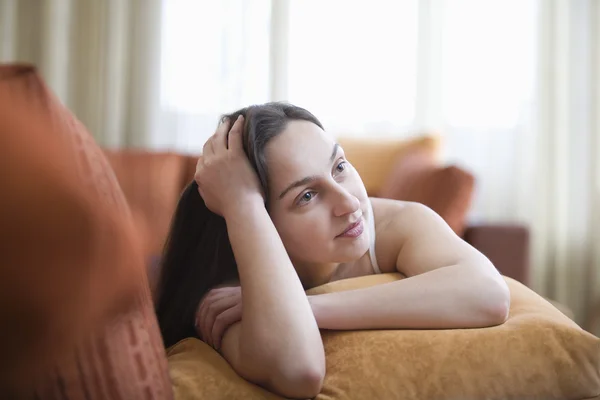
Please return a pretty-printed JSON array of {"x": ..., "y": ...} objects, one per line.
[
  {"x": 537, "y": 354},
  {"x": 374, "y": 158},
  {"x": 199, "y": 372}
]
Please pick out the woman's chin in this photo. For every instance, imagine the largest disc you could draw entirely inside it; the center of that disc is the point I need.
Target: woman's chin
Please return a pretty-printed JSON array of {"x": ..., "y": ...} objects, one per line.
[
  {"x": 339, "y": 251},
  {"x": 353, "y": 250}
]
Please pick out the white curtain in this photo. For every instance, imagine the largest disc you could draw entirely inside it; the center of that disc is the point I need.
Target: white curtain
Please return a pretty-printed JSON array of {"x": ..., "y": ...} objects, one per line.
[
  {"x": 215, "y": 59},
  {"x": 513, "y": 87},
  {"x": 520, "y": 105},
  {"x": 355, "y": 69},
  {"x": 101, "y": 58},
  {"x": 222, "y": 56},
  {"x": 519, "y": 86},
  {"x": 565, "y": 197}
]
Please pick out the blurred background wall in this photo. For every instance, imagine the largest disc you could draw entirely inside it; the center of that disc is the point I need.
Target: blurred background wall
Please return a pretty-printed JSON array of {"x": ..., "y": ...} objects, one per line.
[{"x": 513, "y": 88}]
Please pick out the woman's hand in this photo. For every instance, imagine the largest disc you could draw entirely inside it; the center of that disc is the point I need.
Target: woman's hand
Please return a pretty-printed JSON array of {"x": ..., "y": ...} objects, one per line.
[
  {"x": 221, "y": 308},
  {"x": 218, "y": 310},
  {"x": 224, "y": 175}
]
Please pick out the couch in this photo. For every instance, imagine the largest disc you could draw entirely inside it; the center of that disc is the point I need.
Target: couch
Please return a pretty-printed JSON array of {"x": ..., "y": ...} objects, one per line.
[
  {"x": 403, "y": 169},
  {"x": 81, "y": 225}
]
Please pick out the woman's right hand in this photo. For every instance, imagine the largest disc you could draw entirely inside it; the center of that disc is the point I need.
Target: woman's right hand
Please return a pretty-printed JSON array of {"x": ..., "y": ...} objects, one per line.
[
  {"x": 218, "y": 310},
  {"x": 224, "y": 175}
]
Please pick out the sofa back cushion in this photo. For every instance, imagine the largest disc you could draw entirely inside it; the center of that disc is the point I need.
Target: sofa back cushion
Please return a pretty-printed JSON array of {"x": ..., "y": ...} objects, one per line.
[
  {"x": 152, "y": 183},
  {"x": 374, "y": 158},
  {"x": 75, "y": 309},
  {"x": 409, "y": 169},
  {"x": 447, "y": 189}
]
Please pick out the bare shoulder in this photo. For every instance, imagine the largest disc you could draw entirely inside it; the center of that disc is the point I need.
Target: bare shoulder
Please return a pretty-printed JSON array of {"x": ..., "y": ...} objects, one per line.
[
  {"x": 394, "y": 222},
  {"x": 413, "y": 239},
  {"x": 398, "y": 213}
]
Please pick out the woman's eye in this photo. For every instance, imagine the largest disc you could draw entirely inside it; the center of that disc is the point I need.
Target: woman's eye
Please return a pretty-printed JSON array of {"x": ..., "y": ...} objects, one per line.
[
  {"x": 306, "y": 197},
  {"x": 341, "y": 166}
]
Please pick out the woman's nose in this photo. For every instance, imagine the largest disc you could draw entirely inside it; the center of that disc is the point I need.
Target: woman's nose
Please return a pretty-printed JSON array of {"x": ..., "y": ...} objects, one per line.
[{"x": 345, "y": 202}]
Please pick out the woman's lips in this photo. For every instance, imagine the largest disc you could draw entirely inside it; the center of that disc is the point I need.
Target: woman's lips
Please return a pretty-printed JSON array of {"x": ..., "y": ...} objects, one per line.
[{"x": 354, "y": 230}]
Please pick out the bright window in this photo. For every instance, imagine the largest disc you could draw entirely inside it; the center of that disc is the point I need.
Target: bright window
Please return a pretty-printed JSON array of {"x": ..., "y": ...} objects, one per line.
[
  {"x": 488, "y": 61},
  {"x": 353, "y": 64}
]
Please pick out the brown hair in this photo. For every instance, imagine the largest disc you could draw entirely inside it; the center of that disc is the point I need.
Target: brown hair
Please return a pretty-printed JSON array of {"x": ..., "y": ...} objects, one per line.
[{"x": 197, "y": 255}]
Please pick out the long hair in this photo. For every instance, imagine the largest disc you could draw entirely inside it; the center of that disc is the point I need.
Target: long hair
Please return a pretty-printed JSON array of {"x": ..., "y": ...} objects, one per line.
[{"x": 197, "y": 255}]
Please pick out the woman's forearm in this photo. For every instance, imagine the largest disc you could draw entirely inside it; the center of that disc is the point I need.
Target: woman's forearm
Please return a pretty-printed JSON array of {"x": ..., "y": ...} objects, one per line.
[
  {"x": 278, "y": 326},
  {"x": 451, "y": 297}
]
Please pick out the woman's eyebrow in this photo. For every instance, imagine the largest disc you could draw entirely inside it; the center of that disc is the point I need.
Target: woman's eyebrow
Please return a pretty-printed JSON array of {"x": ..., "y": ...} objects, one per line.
[
  {"x": 308, "y": 179},
  {"x": 300, "y": 182}
]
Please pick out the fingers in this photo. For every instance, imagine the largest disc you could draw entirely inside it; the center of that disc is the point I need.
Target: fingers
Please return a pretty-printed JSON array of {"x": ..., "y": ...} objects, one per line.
[
  {"x": 223, "y": 128},
  {"x": 215, "y": 302},
  {"x": 207, "y": 149},
  {"x": 221, "y": 140},
  {"x": 223, "y": 322},
  {"x": 220, "y": 137},
  {"x": 218, "y": 141},
  {"x": 204, "y": 311},
  {"x": 218, "y": 307},
  {"x": 235, "y": 135}
]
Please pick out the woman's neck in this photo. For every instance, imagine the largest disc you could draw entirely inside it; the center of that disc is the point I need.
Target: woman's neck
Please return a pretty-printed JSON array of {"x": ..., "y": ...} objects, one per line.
[
  {"x": 353, "y": 269},
  {"x": 320, "y": 274},
  {"x": 315, "y": 274}
]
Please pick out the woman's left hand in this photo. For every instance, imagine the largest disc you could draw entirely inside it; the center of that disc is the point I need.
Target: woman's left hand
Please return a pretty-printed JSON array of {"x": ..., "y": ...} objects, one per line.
[{"x": 218, "y": 310}]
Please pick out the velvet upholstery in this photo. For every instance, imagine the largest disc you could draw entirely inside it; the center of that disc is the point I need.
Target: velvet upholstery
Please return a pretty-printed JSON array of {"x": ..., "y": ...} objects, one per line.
[
  {"x": 537, "y": 354},
  {"x": 75, "y": 307}
]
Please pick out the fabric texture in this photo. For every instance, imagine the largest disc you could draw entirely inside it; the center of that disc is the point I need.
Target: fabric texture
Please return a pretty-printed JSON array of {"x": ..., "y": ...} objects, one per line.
[
  {"x": 537, "y": 354},
  {"x": 77, "y": 317},
  {"x": 448, "y": 190},
  {"x": 190, "y": 168},
  {"x": 374, "y": 159},
  {"x": 199, "y": 372},
  {"x": 100, "y": 58},
  {"x": 152, "y": 183},
  {"x": 507, "y": 247}
]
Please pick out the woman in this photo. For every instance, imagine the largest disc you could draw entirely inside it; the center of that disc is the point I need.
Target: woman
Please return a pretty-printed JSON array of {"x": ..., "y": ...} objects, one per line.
[{"x": 275, "y": 191}]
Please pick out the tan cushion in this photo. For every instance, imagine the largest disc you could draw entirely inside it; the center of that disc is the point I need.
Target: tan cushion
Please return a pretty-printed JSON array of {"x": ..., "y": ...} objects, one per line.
[
  {"x": 76, "y": 315},
  {"x": 448, "y": 190},
  {"x": 537, "y": 354},
  {"x": 199, "y": 372},
  {"x": 374, "y": 158}
]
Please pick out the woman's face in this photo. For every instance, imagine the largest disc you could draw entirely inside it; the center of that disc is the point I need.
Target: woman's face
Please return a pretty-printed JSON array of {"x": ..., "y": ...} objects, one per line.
[{"x": 316, "y": 196}]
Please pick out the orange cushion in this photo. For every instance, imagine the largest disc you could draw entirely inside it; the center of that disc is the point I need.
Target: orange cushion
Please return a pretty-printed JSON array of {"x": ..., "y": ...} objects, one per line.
[
  {"x": 190, "y": 169},
  {"x": 77, "y": 319},
  {"x": 199, "y": 372},
  {"x": 537, "y": 354},
  {"x": 152, "y": 183},
  {"x": 448, "y": 190},
  {"x": 374, "y": 158}
]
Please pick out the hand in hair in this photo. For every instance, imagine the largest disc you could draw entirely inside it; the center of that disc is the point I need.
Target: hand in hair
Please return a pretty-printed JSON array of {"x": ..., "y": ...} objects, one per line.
[
  {"x": 224, "y": 175},
  {"x": 204, "y": 251},
  {"x": 218, "y": 310}
]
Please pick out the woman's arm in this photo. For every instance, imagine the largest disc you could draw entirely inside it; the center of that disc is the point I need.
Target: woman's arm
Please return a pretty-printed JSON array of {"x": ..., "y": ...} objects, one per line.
[
  {"x": 277, "y": 343},
  {"x": 450, "y": 297},
  {"x": 449, "y": 284}
]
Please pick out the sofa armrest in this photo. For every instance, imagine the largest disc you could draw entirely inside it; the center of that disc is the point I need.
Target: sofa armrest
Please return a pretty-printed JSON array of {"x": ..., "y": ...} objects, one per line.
[{"x": 507, "y": 247}]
